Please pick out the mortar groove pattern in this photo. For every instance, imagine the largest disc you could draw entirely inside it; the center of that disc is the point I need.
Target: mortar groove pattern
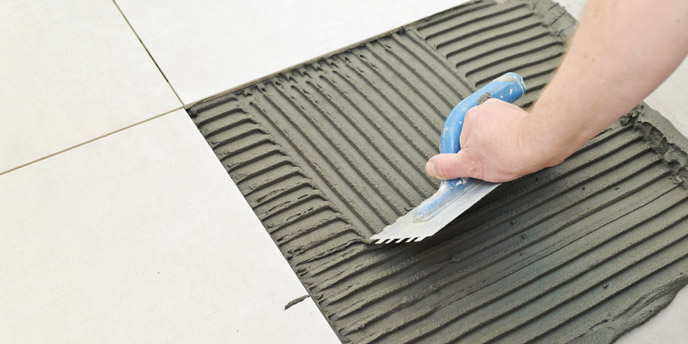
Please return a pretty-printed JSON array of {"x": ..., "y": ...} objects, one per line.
[{"x": 330, "y": 152}]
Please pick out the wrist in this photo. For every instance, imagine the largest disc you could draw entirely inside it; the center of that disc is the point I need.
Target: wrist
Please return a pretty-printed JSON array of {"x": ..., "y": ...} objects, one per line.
[{"x": 542, "y": 146}]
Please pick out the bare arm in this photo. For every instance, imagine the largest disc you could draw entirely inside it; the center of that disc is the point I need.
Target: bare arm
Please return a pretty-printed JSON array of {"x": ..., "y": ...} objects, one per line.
[{"x": 621, "y": 52}]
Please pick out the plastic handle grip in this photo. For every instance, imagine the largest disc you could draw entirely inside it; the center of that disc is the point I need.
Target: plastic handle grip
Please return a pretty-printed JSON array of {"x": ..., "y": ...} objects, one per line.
[{"x": 508, "y": 87}]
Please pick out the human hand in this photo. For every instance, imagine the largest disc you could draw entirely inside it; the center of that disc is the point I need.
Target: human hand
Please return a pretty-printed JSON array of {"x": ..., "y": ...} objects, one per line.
[{"x": 493, "y": 146}]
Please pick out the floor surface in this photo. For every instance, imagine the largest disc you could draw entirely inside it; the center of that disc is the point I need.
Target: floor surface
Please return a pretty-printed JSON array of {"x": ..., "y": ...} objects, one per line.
[
  {"x": 560, "y": 242},
  {"x": 100, "y": 170},
  {"x": 141, "y": 237}
]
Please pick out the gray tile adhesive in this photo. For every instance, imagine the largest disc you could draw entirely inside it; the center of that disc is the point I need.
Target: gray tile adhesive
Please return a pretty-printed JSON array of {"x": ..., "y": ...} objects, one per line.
[{"x": 331, "y": 151}]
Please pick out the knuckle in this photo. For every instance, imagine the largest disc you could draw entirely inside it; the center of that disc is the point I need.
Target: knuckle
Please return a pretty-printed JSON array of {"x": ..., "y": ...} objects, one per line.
[
  {"x": 493, "y": 101},
  {"x": 468, "y": 117},
  {"x": 470, "y": 114}
]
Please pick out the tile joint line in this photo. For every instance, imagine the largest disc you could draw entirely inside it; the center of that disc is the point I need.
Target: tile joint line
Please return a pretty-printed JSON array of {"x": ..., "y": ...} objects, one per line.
[
  {"x": 148, "y": 51},
  {"x": 91, "y": 140}
]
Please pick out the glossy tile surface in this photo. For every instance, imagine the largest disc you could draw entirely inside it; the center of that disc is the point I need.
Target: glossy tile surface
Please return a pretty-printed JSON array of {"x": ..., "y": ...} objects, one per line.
[
  {"x": 125, "y": 239},
  {"x": 208, "y": 46},
  {"x": 71, "y": 71}
]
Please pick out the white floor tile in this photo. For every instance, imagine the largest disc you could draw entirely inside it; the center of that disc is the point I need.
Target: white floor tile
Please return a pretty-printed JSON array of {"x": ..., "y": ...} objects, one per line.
[
  {"x": 208, "y": 46},
  {"x": 670, "y": 98},
  {"x": 574, "y": 7},
  {"x": 667, "y": 327},
  {"x": 71, "y": 71},
  {"x": 141, "y": 237}
]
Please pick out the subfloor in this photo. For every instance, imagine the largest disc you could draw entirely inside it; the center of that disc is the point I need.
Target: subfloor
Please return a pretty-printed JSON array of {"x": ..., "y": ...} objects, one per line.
[{"x": 119, "y": 223}]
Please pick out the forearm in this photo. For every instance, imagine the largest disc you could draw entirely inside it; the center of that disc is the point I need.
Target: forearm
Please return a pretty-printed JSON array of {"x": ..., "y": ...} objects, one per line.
[{"x": 621, "y": 52}]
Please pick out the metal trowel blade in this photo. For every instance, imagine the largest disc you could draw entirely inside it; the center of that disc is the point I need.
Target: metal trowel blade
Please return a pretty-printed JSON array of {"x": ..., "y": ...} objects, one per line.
[{"x": 408, "y": 228}]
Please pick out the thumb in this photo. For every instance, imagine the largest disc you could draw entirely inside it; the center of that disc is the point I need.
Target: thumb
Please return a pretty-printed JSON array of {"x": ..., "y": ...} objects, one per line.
[{"x": 451, "y": 166}]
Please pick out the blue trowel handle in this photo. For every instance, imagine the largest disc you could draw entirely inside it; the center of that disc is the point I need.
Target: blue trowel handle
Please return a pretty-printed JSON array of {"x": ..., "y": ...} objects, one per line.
[{"x": 507, "y": 87}]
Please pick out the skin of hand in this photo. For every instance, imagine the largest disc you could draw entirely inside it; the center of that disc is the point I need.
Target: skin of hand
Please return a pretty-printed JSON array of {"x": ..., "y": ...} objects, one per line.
[
  {"x": 484, "y": 157},
  {"x": 622, "y": 51}
]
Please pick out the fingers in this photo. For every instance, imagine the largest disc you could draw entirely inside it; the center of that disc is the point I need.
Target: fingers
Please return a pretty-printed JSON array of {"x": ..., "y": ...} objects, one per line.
[{"x": 451, "y": 166}]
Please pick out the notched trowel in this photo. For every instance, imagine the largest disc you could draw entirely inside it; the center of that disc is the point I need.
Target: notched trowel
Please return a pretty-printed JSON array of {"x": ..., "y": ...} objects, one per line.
[{"x": 457, "y": 195}]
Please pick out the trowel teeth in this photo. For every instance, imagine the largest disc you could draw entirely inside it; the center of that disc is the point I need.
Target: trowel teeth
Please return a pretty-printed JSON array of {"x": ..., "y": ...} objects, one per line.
[
  {"x": 397, "y": 240},
  {"x": 406, "y": 229}
]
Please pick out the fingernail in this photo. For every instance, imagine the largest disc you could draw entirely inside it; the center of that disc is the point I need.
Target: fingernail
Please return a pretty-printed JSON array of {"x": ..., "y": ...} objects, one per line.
[{"x": 430, "y": 168}]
